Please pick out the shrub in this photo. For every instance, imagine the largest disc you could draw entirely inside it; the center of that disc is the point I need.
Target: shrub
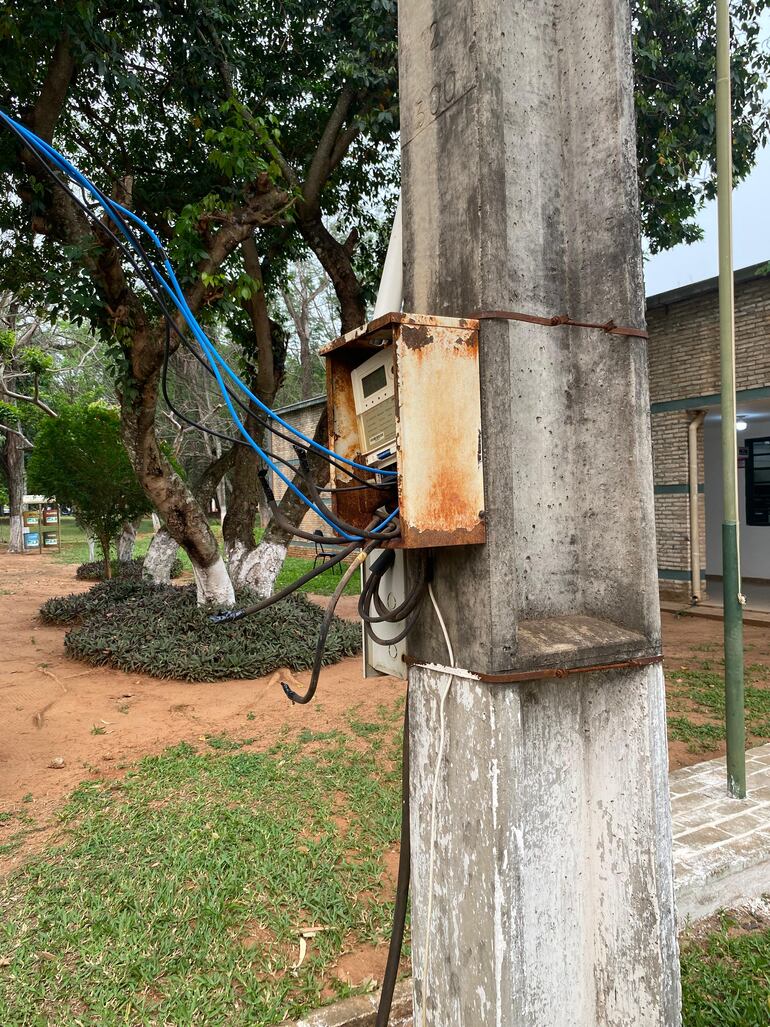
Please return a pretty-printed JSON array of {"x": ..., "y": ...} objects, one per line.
[
  {"x": 80, "y": 460},
  {"x": 160, "y": 630},
  {"x": 128, "y": 570}
]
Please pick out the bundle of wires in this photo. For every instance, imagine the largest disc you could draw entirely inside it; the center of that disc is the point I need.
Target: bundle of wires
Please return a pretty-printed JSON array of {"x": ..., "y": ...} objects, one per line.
[{"x": 121, "y": 224}]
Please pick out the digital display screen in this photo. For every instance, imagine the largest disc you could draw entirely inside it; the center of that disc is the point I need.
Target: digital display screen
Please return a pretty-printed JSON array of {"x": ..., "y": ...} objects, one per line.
[{"x": 374, "y": 382}]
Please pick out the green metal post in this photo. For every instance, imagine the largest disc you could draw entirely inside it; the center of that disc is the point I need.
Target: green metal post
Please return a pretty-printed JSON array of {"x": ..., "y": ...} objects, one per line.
[{"x": 731, "y": 577}]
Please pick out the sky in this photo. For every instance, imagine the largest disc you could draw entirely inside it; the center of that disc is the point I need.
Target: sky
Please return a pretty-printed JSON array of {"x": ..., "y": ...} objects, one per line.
[{"x": 683, "y": 265}]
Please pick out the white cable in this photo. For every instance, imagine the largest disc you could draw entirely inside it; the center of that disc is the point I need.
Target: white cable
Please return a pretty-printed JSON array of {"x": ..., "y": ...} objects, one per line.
[{"x": 444, "y": 692}]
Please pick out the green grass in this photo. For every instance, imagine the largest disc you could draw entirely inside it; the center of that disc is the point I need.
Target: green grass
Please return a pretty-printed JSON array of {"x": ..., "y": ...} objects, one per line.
[
  {"x": 75, "y": 551},
  {"x": 179, "y": 893},
  {"x": 700, "y": 689},
  {"x": 726, "y": 978}
]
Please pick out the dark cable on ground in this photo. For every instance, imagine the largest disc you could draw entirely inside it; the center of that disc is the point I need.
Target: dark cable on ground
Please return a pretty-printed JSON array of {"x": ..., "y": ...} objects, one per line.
[{"x": 402, "y": 888}]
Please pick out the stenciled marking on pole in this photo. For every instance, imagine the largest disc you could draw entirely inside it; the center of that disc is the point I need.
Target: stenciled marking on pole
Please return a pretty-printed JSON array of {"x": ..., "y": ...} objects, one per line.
[{"x": 440, "y": 82}]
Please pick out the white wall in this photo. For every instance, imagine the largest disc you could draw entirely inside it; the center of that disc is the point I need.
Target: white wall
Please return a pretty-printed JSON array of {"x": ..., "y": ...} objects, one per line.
[{"x": 755, "y": 541}]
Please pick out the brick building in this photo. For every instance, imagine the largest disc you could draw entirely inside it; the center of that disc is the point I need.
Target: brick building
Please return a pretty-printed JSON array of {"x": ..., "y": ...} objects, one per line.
[
  {"x": 303, "y": 415},
  {"x": 684, "y": 381}
]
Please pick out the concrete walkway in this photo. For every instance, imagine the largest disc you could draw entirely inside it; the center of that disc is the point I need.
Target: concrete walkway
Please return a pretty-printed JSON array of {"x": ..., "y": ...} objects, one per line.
[{"x": 721, "y": 844}]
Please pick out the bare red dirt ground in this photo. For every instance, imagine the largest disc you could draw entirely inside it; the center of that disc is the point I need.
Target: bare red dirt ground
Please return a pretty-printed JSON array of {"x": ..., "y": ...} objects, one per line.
[
  {"x": 95, "y": 719},
  {"x": 61, "y": 721}
]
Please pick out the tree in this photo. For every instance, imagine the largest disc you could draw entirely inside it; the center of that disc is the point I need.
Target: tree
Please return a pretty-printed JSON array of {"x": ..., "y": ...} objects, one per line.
[
  {"x": 225, "y": 125},
  {"x": 252, "y": 135},
  {"x": 675, "y": 69},
  {"x": 307, "y": 306},
  {"x": 79, "y": 459},
  {"x": 41, "y": 364}
]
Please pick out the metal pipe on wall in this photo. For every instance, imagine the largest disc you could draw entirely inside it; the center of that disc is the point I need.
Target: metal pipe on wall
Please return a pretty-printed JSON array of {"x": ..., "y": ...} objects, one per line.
[
  {"x": 692, "y": 464},
  {"x": 731, "y": 577}
]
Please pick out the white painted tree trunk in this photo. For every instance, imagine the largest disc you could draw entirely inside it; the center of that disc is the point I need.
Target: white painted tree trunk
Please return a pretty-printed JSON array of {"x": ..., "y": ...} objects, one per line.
[
  {"x": 213, "y": 584},
  {"x": 16, "y": 534},
  {"x": 256, "y": 568},
  {"x": 17, "y": 486},
  {"x": 126, "y": 542},
  {"x": 156, "y": 525},
  {"x": 160, "y": 558},
  {"x": 91, "y": 550}
]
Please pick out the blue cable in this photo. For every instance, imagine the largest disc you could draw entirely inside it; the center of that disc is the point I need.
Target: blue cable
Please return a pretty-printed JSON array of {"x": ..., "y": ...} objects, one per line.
[
  {"x": 174, "y": 290},
  {"x": 108, "y": 206}
]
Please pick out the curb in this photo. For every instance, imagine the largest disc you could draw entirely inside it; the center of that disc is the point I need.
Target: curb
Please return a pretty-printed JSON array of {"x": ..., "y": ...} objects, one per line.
[{"x": 360, "y": 1011}]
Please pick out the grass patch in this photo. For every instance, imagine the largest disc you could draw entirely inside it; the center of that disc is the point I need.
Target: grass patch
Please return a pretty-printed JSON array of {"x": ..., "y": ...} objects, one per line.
[
  {"x": 697, "y": 695},
  {"x": 160, "y": 630},
  {"x": 75, "y": 550},
  {"x": 726, "y": 978},
  {"x": 179, "y": 892}
]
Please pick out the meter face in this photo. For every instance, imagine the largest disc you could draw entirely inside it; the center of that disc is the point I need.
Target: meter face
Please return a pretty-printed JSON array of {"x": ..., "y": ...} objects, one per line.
[
  {"x": 375, "y": 402},
  {"x": 374, "y": 382}
]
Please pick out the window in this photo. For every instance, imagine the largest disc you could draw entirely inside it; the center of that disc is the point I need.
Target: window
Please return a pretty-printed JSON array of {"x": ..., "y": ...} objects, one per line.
[{"x": 758, "y": 481}]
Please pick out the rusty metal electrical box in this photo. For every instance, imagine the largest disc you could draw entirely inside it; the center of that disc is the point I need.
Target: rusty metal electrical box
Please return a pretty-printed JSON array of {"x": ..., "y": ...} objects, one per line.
[{"x": 404, "y": 395}]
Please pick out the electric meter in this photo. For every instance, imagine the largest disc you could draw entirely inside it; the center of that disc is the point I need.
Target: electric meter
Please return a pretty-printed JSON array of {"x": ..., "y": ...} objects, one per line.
[
  {"x": 390, "y": 384},
  {"x": 375, "y": 404}
]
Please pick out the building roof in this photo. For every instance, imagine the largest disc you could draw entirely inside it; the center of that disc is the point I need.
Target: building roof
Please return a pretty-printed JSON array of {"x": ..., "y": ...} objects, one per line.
[
  {"x": 688, "y": 292},
  {"x": 303, "y": 404}
]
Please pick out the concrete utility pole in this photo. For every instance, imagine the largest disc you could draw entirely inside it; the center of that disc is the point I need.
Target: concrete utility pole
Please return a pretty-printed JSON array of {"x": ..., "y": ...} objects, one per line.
[{"x": 552, "y": 898}]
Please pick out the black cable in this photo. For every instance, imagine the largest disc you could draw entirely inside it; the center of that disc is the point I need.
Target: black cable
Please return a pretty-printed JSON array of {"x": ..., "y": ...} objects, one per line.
[
  {"x": 247, "y": 611},
  {"x": 285, "y": 525},
  {"x": 310, "y": 485},
  {"x": 402, "y": 888},
  {"x": 326, "y": 624},
  {"x": 408, "y": 625},
  {"x": 371, "y": 592}
]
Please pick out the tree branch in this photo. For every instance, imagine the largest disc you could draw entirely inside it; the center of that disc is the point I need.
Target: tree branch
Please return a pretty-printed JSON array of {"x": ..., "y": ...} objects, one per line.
[
  {"x": 321, "y": 166},
  {"x": 53, "y": 94}
]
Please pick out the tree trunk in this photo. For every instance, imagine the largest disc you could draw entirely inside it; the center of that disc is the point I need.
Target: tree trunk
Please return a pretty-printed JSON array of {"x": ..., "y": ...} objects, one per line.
[
  {"x": 336, "y": 260},
  {"x": 238, "y": 525},
  {"x": 127, "y": 540},
  {"x": 160, "y": 558},
  {"x": 91, "y": 549},
  {"x": 306, "y": 365},
  {"x": 16, "y": 481},
  {"x": 184, "y": 518},
  {"x": 104, "y": 545},
  {"x": 155, "y": 521}
]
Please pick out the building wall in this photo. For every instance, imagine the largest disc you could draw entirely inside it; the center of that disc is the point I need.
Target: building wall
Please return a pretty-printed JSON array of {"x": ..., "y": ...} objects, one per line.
[
  {"x": 303, "y": 416},
  {"x": 684, "y": 378}
]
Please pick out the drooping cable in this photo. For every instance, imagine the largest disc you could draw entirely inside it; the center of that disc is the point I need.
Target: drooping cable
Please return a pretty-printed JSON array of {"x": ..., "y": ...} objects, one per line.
[
  {"x": 402, "y": 888},
  {"x": 171, "y": 286},
  {"x": 117, "y": 212},
  {"x": 326, "y": 624}
]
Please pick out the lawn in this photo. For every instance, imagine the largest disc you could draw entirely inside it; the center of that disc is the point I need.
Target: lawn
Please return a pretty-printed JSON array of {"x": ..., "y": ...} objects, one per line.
[
  {"x": 75, "y": 551},
  {"x": 695, "y": 700},
  {"x": 180, "y": 892},
  {"x": 726, "y": 973},
  {"x": 219, "y": 885}
]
